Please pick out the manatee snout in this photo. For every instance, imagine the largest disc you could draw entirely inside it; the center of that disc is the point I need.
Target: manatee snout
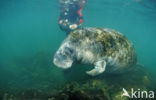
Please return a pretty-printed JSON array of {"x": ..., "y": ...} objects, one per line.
[
  {"x": 63, "y": 58},
  {"x": 61, "y": 62}
]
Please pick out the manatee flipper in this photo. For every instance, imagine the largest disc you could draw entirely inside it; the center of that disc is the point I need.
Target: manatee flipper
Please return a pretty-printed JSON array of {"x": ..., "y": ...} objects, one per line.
[{"x": 98, "y": 68}]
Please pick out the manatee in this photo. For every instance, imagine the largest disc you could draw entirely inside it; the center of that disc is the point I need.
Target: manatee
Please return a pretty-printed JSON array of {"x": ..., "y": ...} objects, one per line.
[{"x": 99, "y": 47}]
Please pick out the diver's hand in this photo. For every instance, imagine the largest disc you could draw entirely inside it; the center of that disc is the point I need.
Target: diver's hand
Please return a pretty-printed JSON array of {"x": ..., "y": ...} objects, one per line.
[{"x": 73, "y": 26}]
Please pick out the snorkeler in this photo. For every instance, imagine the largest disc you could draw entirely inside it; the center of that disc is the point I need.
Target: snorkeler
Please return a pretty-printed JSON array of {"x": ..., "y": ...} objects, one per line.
[{"x": 70, "y": 17}]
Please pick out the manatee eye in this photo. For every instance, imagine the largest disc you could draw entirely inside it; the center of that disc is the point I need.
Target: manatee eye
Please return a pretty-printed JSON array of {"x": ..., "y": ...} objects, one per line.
[{"x": 68, "y": 51}]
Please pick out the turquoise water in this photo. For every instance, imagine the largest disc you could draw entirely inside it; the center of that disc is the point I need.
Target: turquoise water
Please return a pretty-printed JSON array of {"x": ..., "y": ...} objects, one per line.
[{"x": 29, "y": 37}]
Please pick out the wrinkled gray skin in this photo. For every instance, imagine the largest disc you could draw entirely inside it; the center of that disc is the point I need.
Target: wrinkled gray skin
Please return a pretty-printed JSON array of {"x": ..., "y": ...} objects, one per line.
[
  {"x": 87, "y": 46},
  {"x": 65, "y": 56}
]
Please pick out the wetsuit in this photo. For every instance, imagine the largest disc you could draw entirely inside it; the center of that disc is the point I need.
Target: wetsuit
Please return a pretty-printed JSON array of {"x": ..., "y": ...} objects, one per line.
[{"x": 70, "y": 15}]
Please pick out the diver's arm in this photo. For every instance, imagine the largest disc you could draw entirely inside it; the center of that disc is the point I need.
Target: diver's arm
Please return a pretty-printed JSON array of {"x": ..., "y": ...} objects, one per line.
[{"x": 80, "y": 17}]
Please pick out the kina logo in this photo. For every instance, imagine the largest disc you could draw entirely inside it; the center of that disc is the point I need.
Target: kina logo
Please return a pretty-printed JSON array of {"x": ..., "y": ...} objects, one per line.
[{"x": 138, "y": 93}]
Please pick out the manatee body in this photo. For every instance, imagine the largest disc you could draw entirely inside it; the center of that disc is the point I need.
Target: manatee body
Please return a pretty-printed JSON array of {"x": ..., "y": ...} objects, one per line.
[{"x": 106, "y": 49}]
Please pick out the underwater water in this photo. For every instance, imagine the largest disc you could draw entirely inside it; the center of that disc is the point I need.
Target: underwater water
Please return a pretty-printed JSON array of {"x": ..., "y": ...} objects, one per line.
[{"x": 30, "y": 36}]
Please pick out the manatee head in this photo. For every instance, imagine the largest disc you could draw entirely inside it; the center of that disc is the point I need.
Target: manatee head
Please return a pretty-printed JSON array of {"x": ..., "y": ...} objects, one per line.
[{"x": 64, "y": 56}]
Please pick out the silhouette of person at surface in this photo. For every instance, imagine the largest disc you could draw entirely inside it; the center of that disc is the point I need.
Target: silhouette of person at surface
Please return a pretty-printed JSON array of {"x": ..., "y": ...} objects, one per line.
[{"x": 70, "y": 17}]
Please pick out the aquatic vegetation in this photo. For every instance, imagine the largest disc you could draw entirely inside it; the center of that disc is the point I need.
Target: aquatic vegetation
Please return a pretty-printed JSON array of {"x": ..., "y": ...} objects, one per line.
[
  {"x": 28, "y": 94},
  {"x": 106, "y": 87},
  {"x": 103, "y": 87}
]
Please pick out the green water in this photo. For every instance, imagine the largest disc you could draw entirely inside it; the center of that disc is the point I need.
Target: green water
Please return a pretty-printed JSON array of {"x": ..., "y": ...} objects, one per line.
[{"x": 29, "y": 37}]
